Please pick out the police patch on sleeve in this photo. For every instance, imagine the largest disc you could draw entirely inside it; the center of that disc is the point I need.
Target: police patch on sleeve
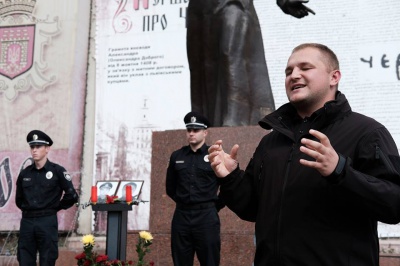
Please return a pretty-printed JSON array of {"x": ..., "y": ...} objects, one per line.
[
  {"x": 67, "y": 176},
  {"x": 49, "y": 175}
]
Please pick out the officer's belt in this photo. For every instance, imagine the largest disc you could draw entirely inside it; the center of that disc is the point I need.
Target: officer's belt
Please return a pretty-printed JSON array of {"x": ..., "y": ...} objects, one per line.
[
  {"x": 195, "y": 206},
  {"x": 38, "y": 213}
]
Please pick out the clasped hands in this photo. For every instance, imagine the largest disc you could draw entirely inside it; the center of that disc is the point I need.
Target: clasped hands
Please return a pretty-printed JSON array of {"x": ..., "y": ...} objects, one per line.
[{"x": 325, "y": 156}]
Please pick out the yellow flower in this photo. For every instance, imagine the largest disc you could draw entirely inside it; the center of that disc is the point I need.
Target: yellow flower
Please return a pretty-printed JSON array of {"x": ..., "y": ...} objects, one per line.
[
  {"x": 88, "y": 240},
  {"x": 146, "y": 236}
]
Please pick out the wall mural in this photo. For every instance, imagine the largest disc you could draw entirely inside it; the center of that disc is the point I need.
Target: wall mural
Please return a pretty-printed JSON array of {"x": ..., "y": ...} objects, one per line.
[{"x": 35, "y": 94}]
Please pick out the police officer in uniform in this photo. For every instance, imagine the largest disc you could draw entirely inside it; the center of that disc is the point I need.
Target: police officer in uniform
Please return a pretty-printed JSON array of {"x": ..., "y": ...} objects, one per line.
[
  {"x": 192, "y": 184},
  {"x": 40, "y": 187}
]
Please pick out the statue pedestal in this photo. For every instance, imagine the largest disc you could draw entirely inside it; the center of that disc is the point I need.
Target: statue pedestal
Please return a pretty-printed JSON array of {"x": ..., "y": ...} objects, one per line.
[{"x": 117, "y": 216}]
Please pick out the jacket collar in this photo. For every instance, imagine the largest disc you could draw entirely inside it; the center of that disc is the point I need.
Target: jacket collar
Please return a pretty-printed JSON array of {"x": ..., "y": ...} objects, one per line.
[
  {"x": 286, "y": 116},
  {"x": 202, "y": 149},
  {"x": 45, "y": 166}
]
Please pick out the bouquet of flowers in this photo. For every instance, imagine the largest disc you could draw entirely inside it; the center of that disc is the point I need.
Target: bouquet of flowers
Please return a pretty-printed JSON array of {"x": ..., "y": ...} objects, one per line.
[{"x": 90, "y": 258}]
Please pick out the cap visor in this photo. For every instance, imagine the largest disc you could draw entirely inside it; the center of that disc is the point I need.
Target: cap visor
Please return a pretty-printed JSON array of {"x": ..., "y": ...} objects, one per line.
[{"x": 38, "y": 143}]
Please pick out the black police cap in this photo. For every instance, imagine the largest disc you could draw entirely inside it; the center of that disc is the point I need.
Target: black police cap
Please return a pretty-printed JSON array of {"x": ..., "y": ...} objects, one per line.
[
  {"x": 196, "y": 120},
  {"x": 37, "y": 137}
]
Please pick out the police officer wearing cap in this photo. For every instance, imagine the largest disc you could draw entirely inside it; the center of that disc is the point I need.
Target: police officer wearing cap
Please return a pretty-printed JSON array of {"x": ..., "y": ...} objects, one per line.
[
  {"x": 192, "y": 184},
  {"x": 39, "y": 195}
]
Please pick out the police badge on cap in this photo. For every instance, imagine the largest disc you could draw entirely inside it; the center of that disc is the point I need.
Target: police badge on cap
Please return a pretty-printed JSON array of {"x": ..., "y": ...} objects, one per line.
[
  {"x": 37, "y": 137},
  {"x": 196, "y": 120}
]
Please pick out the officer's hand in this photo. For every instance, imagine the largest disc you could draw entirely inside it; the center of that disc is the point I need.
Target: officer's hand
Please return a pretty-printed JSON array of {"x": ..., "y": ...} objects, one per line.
[
  {"x": 222, "y": 163},
  {"x": 296, "y": 8},
  {"x": 326, "y": 158}
]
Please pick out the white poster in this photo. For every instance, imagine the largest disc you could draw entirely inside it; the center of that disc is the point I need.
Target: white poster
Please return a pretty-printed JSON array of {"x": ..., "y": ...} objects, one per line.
[{"x": 142, "y": 85}]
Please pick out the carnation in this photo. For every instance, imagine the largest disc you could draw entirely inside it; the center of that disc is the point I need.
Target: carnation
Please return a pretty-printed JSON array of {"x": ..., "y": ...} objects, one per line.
[
  {"x": 146, "y": 236},
  {"x": 88, "y": 240}
]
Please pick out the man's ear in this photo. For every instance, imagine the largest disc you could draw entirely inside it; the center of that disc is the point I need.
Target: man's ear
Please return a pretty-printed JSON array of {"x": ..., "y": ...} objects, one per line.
[{"x": 335, "y": 78}]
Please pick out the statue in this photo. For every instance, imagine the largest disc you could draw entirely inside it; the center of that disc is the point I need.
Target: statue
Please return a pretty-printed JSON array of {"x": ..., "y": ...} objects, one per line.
[{"x": 229, "y": 79}]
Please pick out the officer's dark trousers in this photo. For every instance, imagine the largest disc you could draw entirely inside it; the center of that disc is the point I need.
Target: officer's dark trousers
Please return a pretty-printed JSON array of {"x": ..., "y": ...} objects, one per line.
[
  {"x": 38, "y": 234},
  {"x": 196, "y": 231}
]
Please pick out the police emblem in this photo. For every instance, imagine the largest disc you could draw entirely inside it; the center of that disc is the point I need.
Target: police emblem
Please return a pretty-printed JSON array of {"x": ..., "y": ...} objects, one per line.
[
  {"x": 21, "y": 49},
  {"x": 35, "y": 137},
  {"x": 49, "y": 175},
  {"x": 206, "y": 158},
  {"x": 67, "y": 176},
  {"x": 193, "y": 119}
]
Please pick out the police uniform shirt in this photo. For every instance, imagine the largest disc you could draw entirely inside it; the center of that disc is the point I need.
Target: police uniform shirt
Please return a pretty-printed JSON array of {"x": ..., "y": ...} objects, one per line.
[
  {"x": 190, "y": 178},
  {"x": 41, "y": 189}
]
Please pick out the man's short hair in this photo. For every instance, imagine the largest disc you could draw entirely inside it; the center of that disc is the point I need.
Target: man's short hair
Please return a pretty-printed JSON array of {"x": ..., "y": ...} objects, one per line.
[{"x": 330, "y": 56}]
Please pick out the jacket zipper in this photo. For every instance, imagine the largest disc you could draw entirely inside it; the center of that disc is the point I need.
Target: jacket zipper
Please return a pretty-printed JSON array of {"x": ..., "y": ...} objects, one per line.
[{"x": 277, "y": 249}]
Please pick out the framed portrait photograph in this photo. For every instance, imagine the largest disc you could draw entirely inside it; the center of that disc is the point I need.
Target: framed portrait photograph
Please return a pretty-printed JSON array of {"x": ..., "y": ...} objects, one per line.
[
  {"x": 105, "y": 188},
  {"x": 136, "y": 188}
]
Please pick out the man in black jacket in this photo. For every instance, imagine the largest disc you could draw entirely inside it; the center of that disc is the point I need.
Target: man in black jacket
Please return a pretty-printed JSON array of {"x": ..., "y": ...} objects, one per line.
[
  {"x": 43, "y": 189},
  {"x": 317, "y": 184},
  {"x": 192, "y": 184}
]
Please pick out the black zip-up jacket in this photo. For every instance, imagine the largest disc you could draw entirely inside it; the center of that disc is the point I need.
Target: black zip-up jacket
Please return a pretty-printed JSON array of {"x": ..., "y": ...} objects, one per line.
[{"x": 303, "y": 218}]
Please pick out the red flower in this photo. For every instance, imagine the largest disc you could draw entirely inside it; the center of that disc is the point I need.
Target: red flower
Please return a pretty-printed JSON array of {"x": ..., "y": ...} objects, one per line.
[
  {"x": 151, "y": 263},
  {"x": 111, "y": 199},
  {"x": 80, "y": 256},
  {"x": 101, "y": 258}
]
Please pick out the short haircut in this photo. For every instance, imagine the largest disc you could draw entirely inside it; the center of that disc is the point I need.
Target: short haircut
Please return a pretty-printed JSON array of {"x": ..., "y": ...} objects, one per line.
[{"x": 332, "y": 60}]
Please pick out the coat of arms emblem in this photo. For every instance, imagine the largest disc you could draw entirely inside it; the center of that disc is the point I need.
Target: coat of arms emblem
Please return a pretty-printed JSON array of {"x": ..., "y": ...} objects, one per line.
[
  {"x": 22, "y": 64},
  {"x": 16, "y": 50}
]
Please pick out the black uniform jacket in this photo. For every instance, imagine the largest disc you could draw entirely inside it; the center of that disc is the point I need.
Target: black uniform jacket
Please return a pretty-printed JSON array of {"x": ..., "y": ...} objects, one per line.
[
  {"x": 40, "y": 190},
  {"x": 190, "y": 179},
  {"x": 303, "y": 218}
]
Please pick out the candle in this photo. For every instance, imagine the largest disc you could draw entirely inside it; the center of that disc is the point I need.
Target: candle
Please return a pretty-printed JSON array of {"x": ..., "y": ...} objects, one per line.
[
  {"x": 128, "y": 194},
  {"x": 93, "y": 196}
]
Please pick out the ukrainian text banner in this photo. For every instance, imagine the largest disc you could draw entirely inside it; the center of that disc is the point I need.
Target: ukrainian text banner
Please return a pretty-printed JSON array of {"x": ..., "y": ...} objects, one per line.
[{"x": 142, "y": 86}]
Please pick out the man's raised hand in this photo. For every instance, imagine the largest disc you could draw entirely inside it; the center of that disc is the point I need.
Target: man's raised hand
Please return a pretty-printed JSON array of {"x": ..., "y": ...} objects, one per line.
[{"x": 221, "y": 162}]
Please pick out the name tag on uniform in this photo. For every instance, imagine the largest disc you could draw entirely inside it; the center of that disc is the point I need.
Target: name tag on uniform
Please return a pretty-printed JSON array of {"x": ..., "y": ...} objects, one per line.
[{"x": 179, "y": 161}]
